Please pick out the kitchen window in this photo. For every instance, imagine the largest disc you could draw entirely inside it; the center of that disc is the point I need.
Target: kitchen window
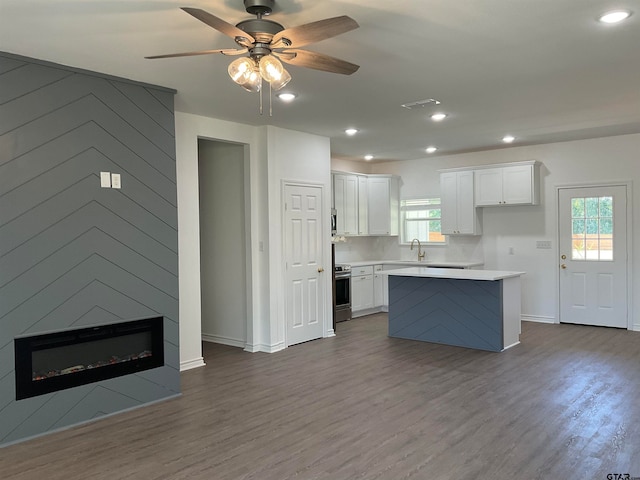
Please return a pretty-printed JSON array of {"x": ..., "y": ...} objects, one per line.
[{"x": 420, "y": 218}]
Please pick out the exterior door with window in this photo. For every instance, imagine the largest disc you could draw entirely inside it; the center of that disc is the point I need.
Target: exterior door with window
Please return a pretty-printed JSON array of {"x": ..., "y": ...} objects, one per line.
[
  {"x": 593, "y": 255},
  {"x": 304, "y": 276}
]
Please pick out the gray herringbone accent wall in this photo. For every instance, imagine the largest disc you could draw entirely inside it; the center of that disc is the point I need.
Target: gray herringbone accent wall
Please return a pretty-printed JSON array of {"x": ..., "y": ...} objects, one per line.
[{"x": 73, "y": 253}]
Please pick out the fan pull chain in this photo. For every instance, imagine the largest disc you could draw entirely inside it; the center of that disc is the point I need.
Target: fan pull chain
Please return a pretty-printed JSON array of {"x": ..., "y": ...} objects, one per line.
[
  {"x": 260, "y": 93},
  {"x": 270, "y": 101}
]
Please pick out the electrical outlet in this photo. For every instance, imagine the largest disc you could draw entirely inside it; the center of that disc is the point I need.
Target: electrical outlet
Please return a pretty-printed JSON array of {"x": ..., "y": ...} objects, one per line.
[
  {"x": 115, "y": 180},
  {"x": 105, "y": 179}
]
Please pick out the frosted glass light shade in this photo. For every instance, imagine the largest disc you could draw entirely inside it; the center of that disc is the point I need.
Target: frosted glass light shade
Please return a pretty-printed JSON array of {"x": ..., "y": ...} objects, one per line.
[
  {"x": 285, "y": 78},
  {"x": 240, "y": 69},
  {"x": 245, "y": 73},
  {"x": 254, "y": 81},
  {"x": 270, "y": 68}
]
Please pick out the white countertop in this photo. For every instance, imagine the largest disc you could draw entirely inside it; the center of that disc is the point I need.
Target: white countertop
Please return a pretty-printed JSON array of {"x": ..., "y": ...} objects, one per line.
[
  {"x": 412, "y": 263},
  {"x": 462, "y": 274}
]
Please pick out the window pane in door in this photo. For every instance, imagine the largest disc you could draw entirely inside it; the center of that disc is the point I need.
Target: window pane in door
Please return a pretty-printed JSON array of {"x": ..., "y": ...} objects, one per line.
[{"x": 592, "y": 228}]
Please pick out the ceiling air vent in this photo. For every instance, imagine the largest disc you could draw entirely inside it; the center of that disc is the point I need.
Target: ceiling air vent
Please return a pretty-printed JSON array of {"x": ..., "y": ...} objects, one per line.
[{"x": 420, "y": 103}]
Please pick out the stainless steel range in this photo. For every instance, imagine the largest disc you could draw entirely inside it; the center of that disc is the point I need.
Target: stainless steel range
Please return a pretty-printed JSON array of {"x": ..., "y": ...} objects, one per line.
[{"x": 342, "y": 283}]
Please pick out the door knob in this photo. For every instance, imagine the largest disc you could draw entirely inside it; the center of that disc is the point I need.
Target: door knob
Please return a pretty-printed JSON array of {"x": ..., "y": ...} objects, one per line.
[
  {"x": 320, "y": 269},
  {"x": 563, "y": 266},
  {"x": 564, "y": 257}
]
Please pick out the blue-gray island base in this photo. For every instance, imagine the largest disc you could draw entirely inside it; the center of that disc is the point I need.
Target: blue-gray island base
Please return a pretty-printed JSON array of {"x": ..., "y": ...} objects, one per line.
[{"x": 473, "y": 308}]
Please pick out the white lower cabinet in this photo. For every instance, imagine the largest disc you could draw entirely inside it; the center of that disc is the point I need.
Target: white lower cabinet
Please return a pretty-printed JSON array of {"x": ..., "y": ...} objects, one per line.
[
  {"x": 379, "y": 287},
  {"x": 361, "y": 288}
]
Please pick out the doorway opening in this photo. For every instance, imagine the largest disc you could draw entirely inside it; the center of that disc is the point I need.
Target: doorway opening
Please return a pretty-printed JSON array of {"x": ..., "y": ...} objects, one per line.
[{"x": 222, "y": 170}]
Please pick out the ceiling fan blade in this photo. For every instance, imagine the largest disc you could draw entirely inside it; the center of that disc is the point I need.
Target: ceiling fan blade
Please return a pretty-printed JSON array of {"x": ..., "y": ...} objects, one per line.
[
  {"x": 224, "y": 51},
  {"x": 317, "y": 61},
  {"x": 313, "y": 32},
  {"x": 219, "y": 24}
]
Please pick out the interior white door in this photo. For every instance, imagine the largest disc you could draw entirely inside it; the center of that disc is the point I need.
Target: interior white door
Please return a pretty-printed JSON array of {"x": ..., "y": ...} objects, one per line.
[
  {"x": 305, "y": 298},
  {"x": 593, "y": 255}
]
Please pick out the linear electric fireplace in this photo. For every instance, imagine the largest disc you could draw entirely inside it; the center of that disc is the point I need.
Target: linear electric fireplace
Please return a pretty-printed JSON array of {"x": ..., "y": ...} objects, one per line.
[{"x": 55, "y": 361}]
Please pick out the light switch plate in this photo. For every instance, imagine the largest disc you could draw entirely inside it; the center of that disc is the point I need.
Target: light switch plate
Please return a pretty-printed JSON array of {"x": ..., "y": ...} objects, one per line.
[
  {"x": 115, "y": 180},
  {"x": 105, "y": 179}
]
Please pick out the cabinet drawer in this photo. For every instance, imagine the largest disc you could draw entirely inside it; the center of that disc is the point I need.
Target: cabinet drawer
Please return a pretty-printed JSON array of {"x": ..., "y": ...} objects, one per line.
[
  {"x": 362, "y": 278},
  {"x": 365, "y": 270}
]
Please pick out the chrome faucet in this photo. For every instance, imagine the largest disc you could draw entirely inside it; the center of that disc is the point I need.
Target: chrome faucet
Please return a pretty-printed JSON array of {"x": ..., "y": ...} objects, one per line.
[{"x": 420, "y": 252}]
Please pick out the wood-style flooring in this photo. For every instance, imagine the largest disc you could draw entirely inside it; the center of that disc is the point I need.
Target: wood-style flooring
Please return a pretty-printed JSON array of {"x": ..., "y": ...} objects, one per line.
[{"x": 564, "y": 404}]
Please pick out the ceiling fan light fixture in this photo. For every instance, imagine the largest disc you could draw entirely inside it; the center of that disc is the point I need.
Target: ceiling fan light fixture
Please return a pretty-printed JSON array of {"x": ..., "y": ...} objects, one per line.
[
  {"x": 368, "y": 157},
  {"x": 351, "y": 131},
  {"x": 431, "y": 149},
  {"x": 508, "y": 138},
  {"x": 438, "y": 116}
]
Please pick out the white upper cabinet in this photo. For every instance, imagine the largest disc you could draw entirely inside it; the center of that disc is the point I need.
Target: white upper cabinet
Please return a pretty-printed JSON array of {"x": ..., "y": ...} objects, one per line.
[
  {"x": 512, "y": 184},
  {"x": 363, "y": 205},
  {"x": 458, "y": 210},
  {"x": 383, "y": 205},
  {"x": 345, "y": 195},
  {"x": 366, "y": 204}
]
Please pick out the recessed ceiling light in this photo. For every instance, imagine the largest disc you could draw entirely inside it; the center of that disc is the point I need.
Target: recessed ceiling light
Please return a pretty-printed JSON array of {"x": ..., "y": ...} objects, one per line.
[
  {"x": 351, "y": 131},
  {"x": 287, "y": 97},
  {"x": 436, "y": 117},
  {"x": 508, "y": 138},
  {"x": 431, "y": 149},
  {"x": 614, "y": 16},
  {"x": 368, "y": 157}
]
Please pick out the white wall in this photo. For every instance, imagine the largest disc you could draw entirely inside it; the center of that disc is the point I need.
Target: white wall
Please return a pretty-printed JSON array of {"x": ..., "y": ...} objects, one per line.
[
  {"x": 273, "y": 155},
  {"x": 294, "y": 157},
  {"x": 222, "y": 242},
  {"x": 188, "y": 129},
  {"x": 593, "y": 161}
]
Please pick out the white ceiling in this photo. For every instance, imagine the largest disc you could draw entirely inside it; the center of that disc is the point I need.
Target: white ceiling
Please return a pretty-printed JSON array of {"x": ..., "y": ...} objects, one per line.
[{"x": 541, "y": 70}]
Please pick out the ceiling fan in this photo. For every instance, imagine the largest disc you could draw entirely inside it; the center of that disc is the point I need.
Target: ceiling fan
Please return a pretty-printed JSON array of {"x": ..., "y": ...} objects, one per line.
[{"x": 266, "y": 41}]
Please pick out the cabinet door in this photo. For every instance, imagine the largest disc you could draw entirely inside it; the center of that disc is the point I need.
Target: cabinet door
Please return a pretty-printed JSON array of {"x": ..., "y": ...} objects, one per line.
[
  {"x": 345, "y": 192},
  {"x": 448, "y": 202},
  {"x": 458, "y": 210},
  {"x": 361, "y": 292},
  {"x": 378, "y": 286},
  {"x": 517, "y": 185},
  {"x": 363, "y": 205},
  {"x": 488, "y": 183},
  {"x": 467, "y": 215},
  {"x": 379, "y": 206}
]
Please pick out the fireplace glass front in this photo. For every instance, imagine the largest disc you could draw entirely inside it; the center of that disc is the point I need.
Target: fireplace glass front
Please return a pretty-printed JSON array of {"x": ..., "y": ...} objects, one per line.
[{"x": 55, "y": 361}]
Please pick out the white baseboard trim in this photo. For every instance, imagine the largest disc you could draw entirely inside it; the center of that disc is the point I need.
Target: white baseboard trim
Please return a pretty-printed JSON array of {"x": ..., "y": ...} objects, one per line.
[
  {"x": 265, "y": 348},
  {"x": 189, "y": 364},
  {"x": 636, "y": 327},
  {"x": 232, "y": 342},
  {"x": 512, "y": 345},
  {"x": 367, "y": 311},
  {"x": 330, "y": 333},
  {"x": 537, "y": 318}
]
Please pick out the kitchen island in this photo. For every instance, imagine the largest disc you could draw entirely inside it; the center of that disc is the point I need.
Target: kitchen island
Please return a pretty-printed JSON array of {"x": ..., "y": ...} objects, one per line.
[{"x": 466, "y": 308}]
